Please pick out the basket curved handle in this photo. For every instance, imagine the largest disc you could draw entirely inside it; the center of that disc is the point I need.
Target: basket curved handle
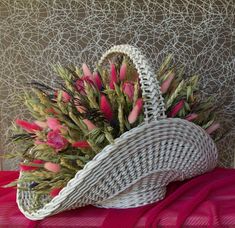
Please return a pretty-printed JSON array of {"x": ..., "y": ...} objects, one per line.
[{"x": 154, "y": 107}]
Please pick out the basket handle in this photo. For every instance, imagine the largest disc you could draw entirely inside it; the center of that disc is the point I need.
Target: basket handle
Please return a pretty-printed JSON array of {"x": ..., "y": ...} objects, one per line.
[{"x": 154, "y": 107}]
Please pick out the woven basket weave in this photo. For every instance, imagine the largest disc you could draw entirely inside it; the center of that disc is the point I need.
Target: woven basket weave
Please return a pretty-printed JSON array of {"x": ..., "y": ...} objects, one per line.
[{"x": 136, "y": 169}]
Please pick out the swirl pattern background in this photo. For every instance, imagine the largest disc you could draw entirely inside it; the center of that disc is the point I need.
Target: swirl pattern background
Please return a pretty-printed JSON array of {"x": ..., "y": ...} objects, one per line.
[{"x": 36, "y": 34}]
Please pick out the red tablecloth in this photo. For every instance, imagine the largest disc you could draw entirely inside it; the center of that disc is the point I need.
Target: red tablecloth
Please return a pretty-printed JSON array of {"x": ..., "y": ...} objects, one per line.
[{"x": 205, "y": 201}]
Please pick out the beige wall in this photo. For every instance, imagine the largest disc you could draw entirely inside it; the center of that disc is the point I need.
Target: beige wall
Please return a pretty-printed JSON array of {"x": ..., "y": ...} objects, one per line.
[{"x": 35, "y": 34}]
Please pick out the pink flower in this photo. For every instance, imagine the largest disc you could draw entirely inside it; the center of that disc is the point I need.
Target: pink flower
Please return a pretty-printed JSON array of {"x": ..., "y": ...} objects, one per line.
[
  {"x": 79, "y": 84},
  {"x": 105, "y": 108},
  {"x": 123, "y": 70},
  {"x": 81, "y": 109},
  {"x": 55, "y": 191},
  {"x": 97, "y": 80},
  {"x": 89, "y": 124},
  {"x": 53, "y": 167},
  {"x": 81, "y": 144},
  {"x": 166, "y": 84},
  {"x": 174, "y": 111},
  {"x": 86, "y": 70},
  {"x": 191, "y": 117},
  {"x": 113, "y": 78},
  {"x": 38, "y": 142},
  {"x": 66, "y": 97},
  {"x": 135, "y": 111},
  {"x": 56, "y": 140},
  {"x": 212, "y": 128},
  {"x": 30, "y": 168},
  {"x": 128, "y": 89},
  {"x": 53, "y": 123},
  {"x": 41, "y": 124},
  {"x": 29, "y": 127}
]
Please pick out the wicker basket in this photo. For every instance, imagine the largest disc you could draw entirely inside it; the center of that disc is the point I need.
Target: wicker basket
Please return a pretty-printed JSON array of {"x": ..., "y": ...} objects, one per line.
[{"x": 136, "y": 169}]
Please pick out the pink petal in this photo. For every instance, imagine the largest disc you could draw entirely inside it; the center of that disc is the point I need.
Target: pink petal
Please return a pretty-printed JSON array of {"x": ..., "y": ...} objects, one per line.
[
  {"x": 128, "y": 89},
  {"x": 66, "y": 97},
  {"x": 38, "y": 142},
  {"x": 56, "y": 140},
  {"x": 81, "y": 109},
  {"x": 166, "y": 84},
  {"x": 27, "y": 168},
  {"x": 53, "y": 167},
  {"x": 105, "y": 108},
  {"x": 97, "y": 80},
  {"x": 86, "y": 70},
  {"x": 79, "y": 84},
  {"x": 29, "y": 127},
  {"x": 139, "y": 104},
  {"x": 41, "y": 124},
  {"x": 135, "y": 111},
  {"x": 123, "y": 70},
  {"x": 53, "y": 123},
  {"x": 113, "y": 79},
  {"x": 30, "y": 168},
  {"x": 174, "y": 111},
  {"x": 55, "y": 191},
  {"x": 81, "y": 144},
  {"x": 89, "y": 124},
  {"x": 212, "y": 128},
  {"x": 191, "y": 117}
]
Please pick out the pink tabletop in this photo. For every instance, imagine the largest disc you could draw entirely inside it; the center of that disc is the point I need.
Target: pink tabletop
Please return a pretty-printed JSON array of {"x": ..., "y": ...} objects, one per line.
[{"x": 205, "y": 201}]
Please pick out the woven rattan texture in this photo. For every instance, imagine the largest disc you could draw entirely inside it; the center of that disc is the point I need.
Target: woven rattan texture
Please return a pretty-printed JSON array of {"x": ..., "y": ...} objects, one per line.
[{"x": 136, "y": 169}]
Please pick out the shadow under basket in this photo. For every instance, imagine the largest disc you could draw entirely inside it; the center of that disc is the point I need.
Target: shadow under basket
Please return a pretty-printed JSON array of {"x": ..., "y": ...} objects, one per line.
[{"x": 136, "y": 169}]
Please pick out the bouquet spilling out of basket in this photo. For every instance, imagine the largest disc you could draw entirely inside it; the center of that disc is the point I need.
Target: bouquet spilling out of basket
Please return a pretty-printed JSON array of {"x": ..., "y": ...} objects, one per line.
[{"x": 96, "y": 121}]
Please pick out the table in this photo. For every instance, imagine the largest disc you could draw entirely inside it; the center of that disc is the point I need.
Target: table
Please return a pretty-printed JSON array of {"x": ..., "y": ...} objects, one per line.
[{"x": 204, "y": 201}]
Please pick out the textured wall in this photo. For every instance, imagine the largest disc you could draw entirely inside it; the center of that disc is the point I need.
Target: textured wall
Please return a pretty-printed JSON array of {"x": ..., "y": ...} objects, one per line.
[{"x": 35, "y": 34}]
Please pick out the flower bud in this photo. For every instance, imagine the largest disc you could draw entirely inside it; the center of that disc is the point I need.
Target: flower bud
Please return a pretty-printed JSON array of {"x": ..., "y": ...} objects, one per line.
[{"x": 53, "y": 167}]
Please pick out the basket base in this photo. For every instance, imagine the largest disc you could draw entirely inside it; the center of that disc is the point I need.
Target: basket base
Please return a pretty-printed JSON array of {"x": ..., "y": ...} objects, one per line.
[{"x": 134, "y": 199}]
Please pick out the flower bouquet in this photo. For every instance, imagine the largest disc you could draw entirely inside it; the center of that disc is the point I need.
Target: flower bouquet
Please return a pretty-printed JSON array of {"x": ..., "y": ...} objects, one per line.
[{"x": 114, "y": 137}]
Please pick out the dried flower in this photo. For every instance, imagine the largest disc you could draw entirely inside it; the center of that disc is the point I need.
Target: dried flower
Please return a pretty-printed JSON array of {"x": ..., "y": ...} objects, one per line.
[
  {"x": 24, "y": 167},
  {"x": 53, "y": 123},
  {"x": 56, "y": 140},
  {"x": 105, "y": 108},
  {"x": 212, "y": 128},
  {"x": 81, "y": 144},
  {"x": 113, "y": 78},
  {"x": 128, "y": 89},
  {"x": 86, "y": 70},
  {"x": 66, "y": 97},
  {"x": 54, "y": 192},
  {"x": 89, "y": 124},
  {"x": 97, "y": 80},
  {"x": 53, "y": 167},
  {"x": 79, "y": 84},
  {"x": 135, "y": 111},
  {"x": 123, "y": 71},
  {"x": 176, "y": 108},
  {"x": 41, "y": 124},
  {"x": 166, "y": 84},
  {"x": 29, "y": 127},
  {"x": 191, "y": 117}
]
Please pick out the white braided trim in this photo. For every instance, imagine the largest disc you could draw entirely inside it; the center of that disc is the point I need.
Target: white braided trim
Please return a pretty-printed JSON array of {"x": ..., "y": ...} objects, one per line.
[{"x": 147, "y": 153}]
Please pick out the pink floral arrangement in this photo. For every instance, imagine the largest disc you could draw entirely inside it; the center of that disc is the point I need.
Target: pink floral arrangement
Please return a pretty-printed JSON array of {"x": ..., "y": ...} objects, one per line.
[{"x": 77, "y": 119}]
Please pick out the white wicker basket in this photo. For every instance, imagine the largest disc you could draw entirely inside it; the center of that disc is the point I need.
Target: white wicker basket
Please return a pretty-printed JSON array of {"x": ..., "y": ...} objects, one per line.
[{"x": 136, "y": 169}]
